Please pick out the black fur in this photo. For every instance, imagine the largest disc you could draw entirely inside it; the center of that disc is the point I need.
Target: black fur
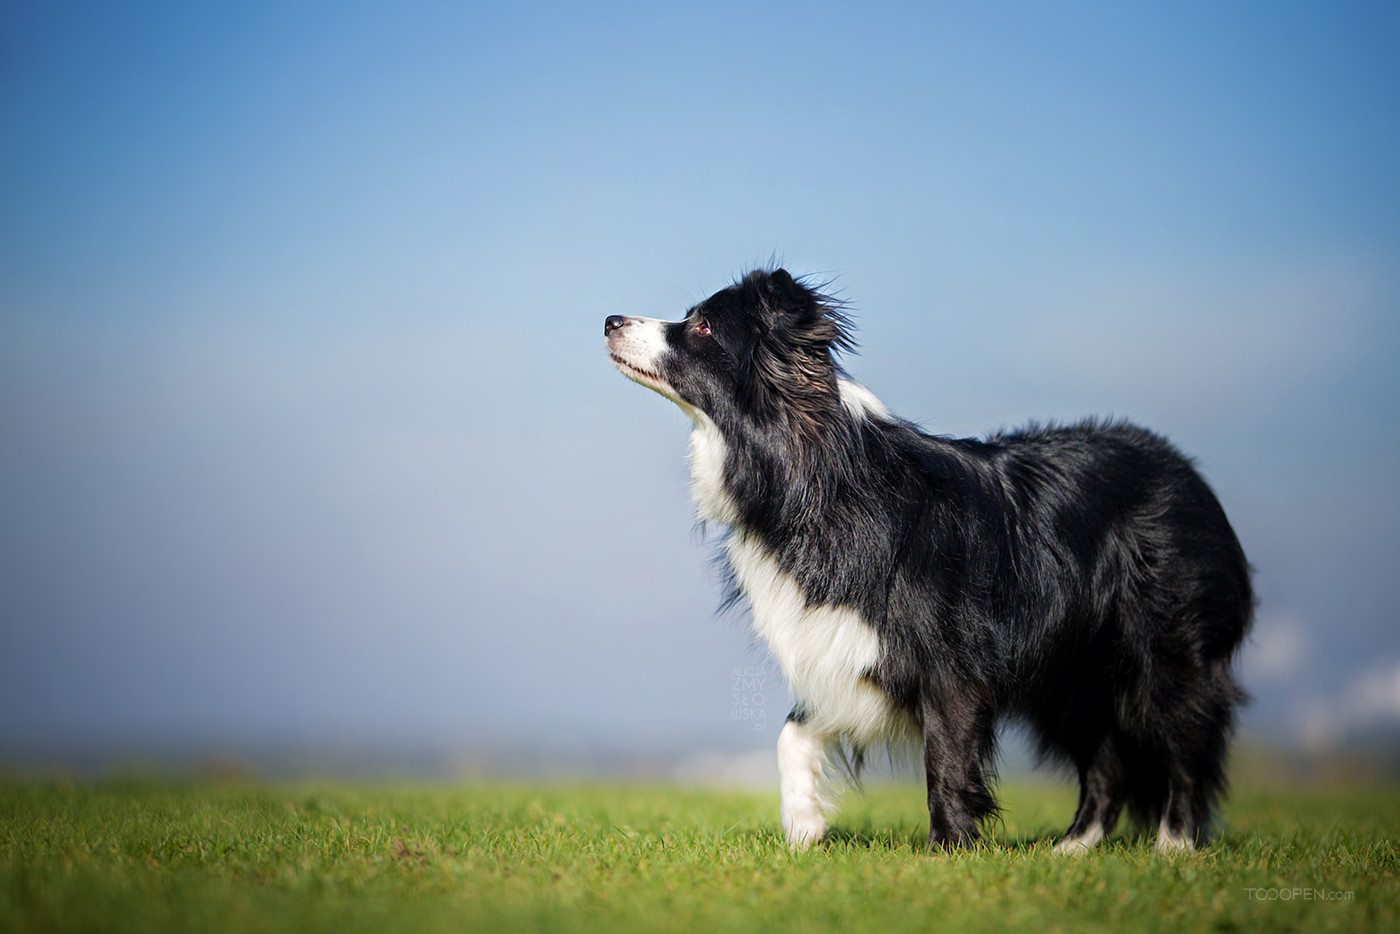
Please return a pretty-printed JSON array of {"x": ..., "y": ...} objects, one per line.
[{"x": 1082, "y": 578}]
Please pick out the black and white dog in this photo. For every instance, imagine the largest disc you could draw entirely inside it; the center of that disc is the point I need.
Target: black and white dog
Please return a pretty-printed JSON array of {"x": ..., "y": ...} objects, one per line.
[{"x": 918, "y": 588}]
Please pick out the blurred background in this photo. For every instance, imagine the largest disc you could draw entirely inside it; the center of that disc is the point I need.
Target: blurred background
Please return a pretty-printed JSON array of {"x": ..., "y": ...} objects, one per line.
[{"x": 310, "y": 453}]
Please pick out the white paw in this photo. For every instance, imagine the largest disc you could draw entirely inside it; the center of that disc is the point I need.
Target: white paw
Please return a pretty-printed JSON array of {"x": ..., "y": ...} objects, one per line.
[
  {"x": 1173, "y": 843},
  {"x": 1170, "y": 841},
  {"x": 1081, "y": 844},
  {"x": 804, "y": 828},
  {"x": 1075, "y": 847}
]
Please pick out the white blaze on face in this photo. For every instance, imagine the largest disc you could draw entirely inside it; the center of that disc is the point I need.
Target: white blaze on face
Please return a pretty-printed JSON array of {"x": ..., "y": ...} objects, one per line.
[{"x": 637, "y": 349}]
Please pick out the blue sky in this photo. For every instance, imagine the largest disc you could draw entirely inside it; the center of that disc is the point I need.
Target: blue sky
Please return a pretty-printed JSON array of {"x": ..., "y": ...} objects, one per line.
[{"x": 305, "y": 428}]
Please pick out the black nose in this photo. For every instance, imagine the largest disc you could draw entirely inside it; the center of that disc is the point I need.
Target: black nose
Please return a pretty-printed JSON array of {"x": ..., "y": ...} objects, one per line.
[{"x": 613, "y": 323}]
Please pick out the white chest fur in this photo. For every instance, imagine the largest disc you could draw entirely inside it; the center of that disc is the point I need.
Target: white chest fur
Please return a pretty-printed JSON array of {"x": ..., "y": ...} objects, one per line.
[
  {"x": 707, "y": 454},
  {"x": 824, "y": 651}
]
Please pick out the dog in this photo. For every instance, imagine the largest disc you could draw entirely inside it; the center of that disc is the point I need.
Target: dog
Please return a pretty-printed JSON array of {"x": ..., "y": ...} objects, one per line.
[{"x": 916, "y": 589}]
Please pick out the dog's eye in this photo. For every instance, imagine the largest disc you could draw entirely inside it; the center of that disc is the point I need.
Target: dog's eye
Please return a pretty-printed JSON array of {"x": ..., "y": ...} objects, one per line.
[{"x": 702, "y": 329}]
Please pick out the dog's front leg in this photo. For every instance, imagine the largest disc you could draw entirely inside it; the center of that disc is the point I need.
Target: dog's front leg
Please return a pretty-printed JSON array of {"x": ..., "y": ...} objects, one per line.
[
  {"x": 959, "y": 739},
  {"x": 801, "y": 759}
]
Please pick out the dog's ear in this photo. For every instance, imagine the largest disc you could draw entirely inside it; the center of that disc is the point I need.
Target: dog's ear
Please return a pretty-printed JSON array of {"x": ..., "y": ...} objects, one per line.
[
  {"x": 785, "y": 298},
  {"x": 797, "y": 331},
  {"x": 812, "y": 310},
  {"x": 784, "y": 288}
]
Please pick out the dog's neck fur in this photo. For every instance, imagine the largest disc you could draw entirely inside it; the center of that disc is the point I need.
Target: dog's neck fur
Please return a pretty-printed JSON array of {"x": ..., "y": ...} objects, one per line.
[{"x": 782, "y": 465}]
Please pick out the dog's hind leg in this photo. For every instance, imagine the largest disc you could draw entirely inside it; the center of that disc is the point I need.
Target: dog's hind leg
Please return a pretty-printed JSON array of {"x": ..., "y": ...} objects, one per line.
[
  {"x": 1193, "y": 750},
  {"x": 802, "y": 753},
  {"x": 1101, "y": 796},
  {"x": 1180, "y": 821},
  {"x": 1196, "y": 776}
]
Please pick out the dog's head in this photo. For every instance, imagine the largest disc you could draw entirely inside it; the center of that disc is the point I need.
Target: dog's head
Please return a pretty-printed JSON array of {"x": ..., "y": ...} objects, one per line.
[{"x": 762, "y": 349}]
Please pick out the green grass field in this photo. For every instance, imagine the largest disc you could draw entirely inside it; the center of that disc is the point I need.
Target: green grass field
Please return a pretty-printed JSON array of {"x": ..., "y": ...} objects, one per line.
[{"x": 152, "y": 856}]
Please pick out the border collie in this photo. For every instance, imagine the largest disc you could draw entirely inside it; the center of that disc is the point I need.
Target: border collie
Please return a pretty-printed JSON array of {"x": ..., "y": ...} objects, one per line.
[{"x": 915, "y": 588}]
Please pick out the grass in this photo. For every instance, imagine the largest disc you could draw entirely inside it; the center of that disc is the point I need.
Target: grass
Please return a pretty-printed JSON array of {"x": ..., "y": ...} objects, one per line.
[{"x": 151, "y": 856}]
